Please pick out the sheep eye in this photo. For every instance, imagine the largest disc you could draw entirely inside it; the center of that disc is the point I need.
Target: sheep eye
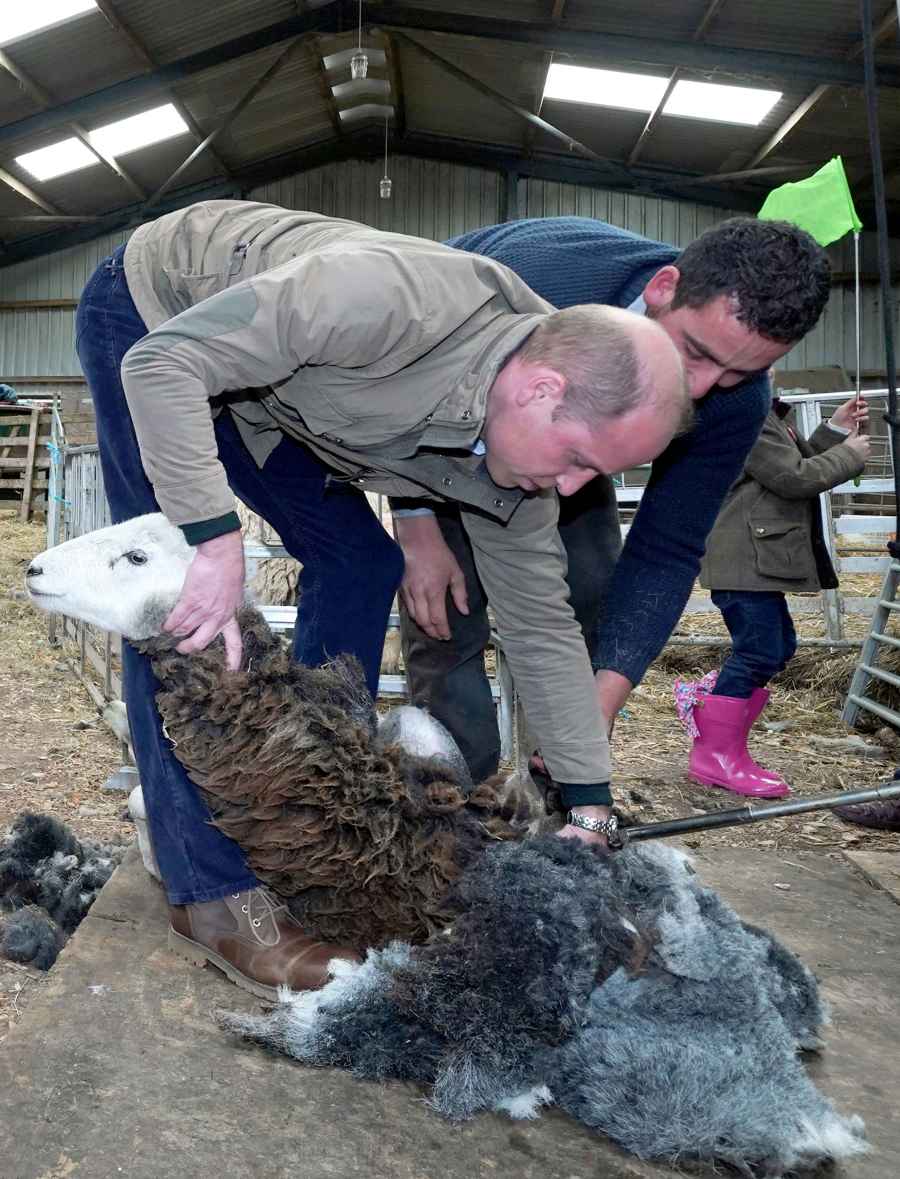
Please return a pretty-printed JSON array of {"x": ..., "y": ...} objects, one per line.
[{"x": 136, "y": 557}]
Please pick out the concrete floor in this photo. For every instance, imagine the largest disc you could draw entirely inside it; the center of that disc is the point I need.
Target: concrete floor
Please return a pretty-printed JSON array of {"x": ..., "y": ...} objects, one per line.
[{"x": 116, "y": 1068}]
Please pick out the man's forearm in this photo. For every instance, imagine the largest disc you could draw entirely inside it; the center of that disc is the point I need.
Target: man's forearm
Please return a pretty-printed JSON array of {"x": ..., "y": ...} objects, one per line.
[{"x": 612, "y": 690}]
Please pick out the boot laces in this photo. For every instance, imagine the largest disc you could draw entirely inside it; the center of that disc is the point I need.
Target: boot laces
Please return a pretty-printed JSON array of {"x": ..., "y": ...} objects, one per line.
[{"x": 262, "y": 908}]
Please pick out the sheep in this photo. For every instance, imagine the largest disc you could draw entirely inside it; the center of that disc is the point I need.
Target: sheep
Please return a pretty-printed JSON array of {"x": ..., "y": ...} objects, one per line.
[
  {"x": 48, "y": 881},
  {"x": 504, "y": 972},
  {"x": 363, "y": 839}
]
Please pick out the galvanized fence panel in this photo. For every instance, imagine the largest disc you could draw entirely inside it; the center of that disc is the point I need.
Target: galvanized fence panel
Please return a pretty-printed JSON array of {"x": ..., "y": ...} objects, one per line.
[{"x": 80, "y": 502}]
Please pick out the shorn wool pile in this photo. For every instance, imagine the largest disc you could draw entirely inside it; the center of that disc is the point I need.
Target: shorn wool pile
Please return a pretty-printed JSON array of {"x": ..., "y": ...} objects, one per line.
[
  {"x": 48, "y": 881},
  {"x": 505, "y": 972},
  {"x": 616, "y": 987}
]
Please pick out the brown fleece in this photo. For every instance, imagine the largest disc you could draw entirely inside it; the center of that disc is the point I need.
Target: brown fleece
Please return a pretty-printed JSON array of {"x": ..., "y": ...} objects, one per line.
[{"x": 365, "y": 843}]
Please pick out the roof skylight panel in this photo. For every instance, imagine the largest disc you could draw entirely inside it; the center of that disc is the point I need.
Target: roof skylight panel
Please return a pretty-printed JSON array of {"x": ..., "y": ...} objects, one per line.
[
  {"x": 633, "y": 92},
  {"x": 722, "y": 104},
  {"x": 20, "y": 18},
  {"x": 137, "y": 131}
]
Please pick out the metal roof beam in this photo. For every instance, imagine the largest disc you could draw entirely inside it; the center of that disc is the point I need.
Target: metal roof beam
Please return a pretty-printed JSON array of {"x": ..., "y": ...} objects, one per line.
[
  {"x": 57, "y": 218},
  {"x": 712, "y": 11},
  {"x": 326, "y": 20},
  {"x": 644, "y": 179},
  {"x": 581, "y": 43},
  {"x": 885, "y": 28},
  {"x": 42, "y": 99},
  {"x": 780, "y": 133},
  {"x": 746, "y": 174},
  {"x": 368, "y": 144},
  {"x": 314, "y": 50},
  {"x": 587, "y": 43},
  {"x": 364, "y": 144},
  {"x": 353, "y": 145},
  {"x": 244, "y": 101},
  {"x": 556, "y": 15},
  {"x": 396, "y": 83},
  {"x": 139, "y": 49},
  {"x": 28, "y": 193},
  {"x": 612, "y": 166}
]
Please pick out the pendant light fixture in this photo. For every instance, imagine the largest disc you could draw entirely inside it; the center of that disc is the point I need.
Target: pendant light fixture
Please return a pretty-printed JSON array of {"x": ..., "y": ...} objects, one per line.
[
  {"x": 385, "y": 184},
  {"x": 359, "y": 62}
]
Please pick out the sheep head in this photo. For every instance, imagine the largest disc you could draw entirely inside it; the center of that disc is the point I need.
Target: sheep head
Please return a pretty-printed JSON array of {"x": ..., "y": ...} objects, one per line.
[{"x": 125, "y": 578}]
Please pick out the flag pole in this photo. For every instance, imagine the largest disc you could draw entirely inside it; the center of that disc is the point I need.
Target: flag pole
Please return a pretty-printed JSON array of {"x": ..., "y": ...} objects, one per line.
[{"x": 858, "y": 316}]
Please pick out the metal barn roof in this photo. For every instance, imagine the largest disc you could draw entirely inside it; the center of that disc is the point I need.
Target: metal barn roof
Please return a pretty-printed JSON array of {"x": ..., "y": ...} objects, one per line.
[{"x": 464, "y": 82}]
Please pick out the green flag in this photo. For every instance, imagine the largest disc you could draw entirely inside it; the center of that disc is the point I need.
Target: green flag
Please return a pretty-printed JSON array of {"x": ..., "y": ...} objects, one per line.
[{"x": 822, "y": 204}]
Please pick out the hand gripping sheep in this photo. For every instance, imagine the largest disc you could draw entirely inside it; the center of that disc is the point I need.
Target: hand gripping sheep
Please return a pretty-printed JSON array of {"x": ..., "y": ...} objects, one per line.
[{"x": 616, "y": 987}]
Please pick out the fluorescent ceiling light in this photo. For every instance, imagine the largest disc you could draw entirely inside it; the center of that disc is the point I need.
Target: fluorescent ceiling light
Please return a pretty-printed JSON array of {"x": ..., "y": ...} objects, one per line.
[
  {"x": 29, "y": 16},
  {"x": 115, "y": 139},
  {"x": 633, "y": 92},
  {"x": 721, "y": 104},
  {"x": 642, "y": 92},
  {"x": 118, "y": 139},
  {"x": 57, "y": 160}
]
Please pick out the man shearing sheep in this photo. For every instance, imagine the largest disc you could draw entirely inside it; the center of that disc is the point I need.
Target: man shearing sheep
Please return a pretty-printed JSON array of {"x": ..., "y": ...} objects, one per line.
[
  {"x": 733, "y": 302},
  {"x": 297, "y": 361}
]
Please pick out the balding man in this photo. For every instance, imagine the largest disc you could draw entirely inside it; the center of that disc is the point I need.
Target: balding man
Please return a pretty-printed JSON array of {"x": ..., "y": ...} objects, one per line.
[{"x": 298, "y": 361}]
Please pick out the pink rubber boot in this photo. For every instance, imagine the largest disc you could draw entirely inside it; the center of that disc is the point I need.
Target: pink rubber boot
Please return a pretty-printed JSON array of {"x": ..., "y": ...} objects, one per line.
[
  {"x": 720, "y": 757},
  {"x": 759, "y": 698}
]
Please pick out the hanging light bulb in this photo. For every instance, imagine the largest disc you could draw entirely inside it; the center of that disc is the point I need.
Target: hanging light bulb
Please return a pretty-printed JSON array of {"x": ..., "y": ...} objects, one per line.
[
  {"x": 359, "y": 65},
  {"x": 359, "y": 62},
  {"x": 385, "y": 184}
]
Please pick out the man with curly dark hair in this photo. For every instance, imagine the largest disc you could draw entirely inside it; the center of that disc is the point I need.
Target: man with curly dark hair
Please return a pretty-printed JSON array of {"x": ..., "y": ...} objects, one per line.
[
  {"x": 734, "y": 302},
  {"x": 776, "y": 276}
]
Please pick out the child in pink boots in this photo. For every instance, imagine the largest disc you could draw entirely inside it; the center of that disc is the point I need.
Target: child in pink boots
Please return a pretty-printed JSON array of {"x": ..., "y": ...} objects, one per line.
[{"x": 766, "y": 542}]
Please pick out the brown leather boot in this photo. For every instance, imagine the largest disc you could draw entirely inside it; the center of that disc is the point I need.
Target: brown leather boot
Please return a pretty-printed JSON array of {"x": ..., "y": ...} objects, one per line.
[{"x": 253, "y": 939}]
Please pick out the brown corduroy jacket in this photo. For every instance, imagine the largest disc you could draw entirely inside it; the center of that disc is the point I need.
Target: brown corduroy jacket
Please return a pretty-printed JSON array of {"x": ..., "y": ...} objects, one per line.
[{"x": 768, "y": 535}]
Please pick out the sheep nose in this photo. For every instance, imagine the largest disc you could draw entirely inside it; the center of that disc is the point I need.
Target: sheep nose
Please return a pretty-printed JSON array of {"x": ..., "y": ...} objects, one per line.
[{"x": 33, "y": 571}]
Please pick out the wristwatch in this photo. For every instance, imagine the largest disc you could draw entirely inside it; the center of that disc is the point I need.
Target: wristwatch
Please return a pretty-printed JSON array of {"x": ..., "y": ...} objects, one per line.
[{"x": 608, "y": 826}]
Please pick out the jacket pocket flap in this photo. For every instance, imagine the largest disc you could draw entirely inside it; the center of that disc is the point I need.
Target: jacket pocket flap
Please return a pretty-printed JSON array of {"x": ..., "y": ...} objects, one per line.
[
  {"x": 781, "y": 548},
  {"x": 773, "y": 528}
]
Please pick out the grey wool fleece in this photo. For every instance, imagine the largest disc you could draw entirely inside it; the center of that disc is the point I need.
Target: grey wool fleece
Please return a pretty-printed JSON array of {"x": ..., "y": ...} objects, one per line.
[{"x": 618, "y": 988}]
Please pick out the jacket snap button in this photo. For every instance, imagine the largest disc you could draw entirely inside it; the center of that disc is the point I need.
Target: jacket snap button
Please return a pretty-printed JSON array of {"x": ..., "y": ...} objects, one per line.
[
  {"x": 498, "y": 503},
  {"x": 466, "y": 414},
  {"x": 428, "y": 417},
  {"x": 760, "y": 532},
  {"x": 447, "y": 481}
]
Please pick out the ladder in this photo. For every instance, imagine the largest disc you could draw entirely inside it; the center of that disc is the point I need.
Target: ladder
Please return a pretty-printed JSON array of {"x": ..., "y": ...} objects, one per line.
[{"x": 867, "y": 669}]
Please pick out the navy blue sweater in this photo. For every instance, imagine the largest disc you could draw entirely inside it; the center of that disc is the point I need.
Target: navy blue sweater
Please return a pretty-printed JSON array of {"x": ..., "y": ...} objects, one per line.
[{"x": 570, "y": 260}]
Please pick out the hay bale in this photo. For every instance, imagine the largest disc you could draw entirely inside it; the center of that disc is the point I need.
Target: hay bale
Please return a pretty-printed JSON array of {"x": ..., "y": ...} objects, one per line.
[
  {"x": 828, "y": 673},
  {"x": 690, "y": 662}
]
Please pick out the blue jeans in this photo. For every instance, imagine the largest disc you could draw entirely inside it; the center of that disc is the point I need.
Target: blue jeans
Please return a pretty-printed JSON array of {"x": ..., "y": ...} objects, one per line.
[
  {"x": 762, "y": 636},
  {"x": 351, "y": 571}
]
